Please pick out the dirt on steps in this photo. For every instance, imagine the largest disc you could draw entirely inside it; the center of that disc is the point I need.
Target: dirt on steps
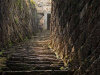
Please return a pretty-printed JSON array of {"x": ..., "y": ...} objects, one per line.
[{"x": 34, "y": 57}]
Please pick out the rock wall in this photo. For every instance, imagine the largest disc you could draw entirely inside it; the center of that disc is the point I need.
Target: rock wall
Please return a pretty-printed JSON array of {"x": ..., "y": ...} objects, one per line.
[
  {"x": 75, "y": 34},
  {"x": 18, "y": 21}
]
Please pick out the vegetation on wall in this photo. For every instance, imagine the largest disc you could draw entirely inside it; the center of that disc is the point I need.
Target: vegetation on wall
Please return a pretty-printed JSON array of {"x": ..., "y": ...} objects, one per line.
[
  {"x": 75, "y": 34},
  {"x": 32, "y": 2},
  {"x": 19, "y": 20},
  {"x": 19, "y": 3}
]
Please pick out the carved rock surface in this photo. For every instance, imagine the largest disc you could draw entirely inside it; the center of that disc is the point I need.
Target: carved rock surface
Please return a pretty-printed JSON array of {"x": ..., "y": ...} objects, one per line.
[
  {"x": 75, "y": 34},
  {"x": 18, "y": 20}
]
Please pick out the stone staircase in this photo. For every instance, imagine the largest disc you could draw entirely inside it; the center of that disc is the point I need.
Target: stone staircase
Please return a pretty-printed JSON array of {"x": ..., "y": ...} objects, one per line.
[{"x": 34, "y": 58}]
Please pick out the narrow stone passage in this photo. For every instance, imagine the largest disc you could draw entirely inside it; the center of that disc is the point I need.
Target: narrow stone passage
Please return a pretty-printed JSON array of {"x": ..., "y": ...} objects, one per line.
[{"x": 33, "y": 57}]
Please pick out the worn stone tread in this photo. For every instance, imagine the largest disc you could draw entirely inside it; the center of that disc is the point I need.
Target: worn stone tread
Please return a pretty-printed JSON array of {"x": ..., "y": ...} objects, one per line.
[
  {"x": 36, "y": 62},
  {"x": 39, "y": 72},
  {"x": 34, "y": 58}
]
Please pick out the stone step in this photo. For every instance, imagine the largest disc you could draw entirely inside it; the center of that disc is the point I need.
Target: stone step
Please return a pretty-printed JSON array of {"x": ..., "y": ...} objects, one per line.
[
  {"x": 40, "y": 59},
  {"x": 25, "y": 68},
  {"x": 39, "y": 48},
  {"x": 20, "y": 55},
  {"x": 51, "y": 56},
  {"x": 47, "y": 68},
  {"x": 38, "y": 72},
  {"x": 25, "y": 64},
  {"x": 41, "y": 55},
  {"x": 5, "y": 69},
  {"x": 49, "y": 53},
  {"x": 32, "y": 59},
  {"x": 44, "y": 50},
  {"x": 46, "y": 41},
  {"x": 32, "y": 54},
  {"x": 32, "y": 51},
  {"x": 38, "y": 45},
  {"x": 35, "y": 55},
  {"x": 41, "y": 52},
  {"x": 5, "y": 54},
  {"x": 37, "y": 62}
]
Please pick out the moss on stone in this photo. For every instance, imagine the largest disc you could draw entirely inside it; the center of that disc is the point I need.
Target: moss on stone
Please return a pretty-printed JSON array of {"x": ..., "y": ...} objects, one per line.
[
  {"x": 32, "y": 2},
  {"x": 16, "y": 20},
  {"x": 1, "y": 51},
  {"x": 2, "y": 61},
  {"x": 19, "y": 3}
]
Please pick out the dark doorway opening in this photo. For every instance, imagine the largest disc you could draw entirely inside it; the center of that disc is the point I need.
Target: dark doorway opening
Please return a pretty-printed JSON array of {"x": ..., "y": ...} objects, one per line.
[{"x": 48, "y": 21}]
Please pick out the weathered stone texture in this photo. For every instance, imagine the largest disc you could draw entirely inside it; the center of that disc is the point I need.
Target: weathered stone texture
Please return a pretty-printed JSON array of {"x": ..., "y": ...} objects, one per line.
[
  {"x": 18, "y": 20},
  {"x": 75, "y": 34}
]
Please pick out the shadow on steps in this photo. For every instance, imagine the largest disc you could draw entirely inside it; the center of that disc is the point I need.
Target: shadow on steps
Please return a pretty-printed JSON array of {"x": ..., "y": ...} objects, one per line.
[{"x": 38, "y": 72}]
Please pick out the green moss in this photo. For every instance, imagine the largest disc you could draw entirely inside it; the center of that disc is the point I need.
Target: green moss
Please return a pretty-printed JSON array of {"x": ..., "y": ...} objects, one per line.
[
  {"x": 65, "y": 64},
  {"x": 26, "y": 39},
  {"x": 64, "y": 68},
  {"x": 19, "y": 3},
  {"x": 20, "y": 36},
  {"x": 10, "y": 44},
  {"x": 16, "y": 20},
  {"x": 33, "y": 68},
  {"x": 2, "y": 61},
  {"x": 21, "y": 8},
  {"x": 32, "y": 2},
  {"x": 1, "y": 51},
  {"x": 61, "y": 68}
]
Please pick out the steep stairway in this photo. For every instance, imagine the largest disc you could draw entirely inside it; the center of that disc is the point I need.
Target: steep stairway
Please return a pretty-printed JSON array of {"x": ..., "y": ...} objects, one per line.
[{"x": 34, "y": 58}]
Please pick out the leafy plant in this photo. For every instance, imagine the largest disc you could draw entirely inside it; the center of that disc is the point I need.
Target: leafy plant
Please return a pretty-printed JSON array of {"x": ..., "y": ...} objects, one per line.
[
  {"x": 64, "y": 68},
  {"x": 61, "y": 68},
  {"x": 65, "y": 64},
  {"x": 1, "y": 51}
]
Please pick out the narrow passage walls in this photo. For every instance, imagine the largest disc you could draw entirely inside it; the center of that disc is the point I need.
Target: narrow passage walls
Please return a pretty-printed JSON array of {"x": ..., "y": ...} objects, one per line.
[
  {"x": 75, "y": 34},
  {"x": 18, "y": 20}
]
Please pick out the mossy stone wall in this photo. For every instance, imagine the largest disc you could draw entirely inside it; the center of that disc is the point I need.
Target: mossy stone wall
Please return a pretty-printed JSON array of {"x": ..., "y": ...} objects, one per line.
[
  {"x": 18, "y": 20},
  {"x": 75, "y": 34}
]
